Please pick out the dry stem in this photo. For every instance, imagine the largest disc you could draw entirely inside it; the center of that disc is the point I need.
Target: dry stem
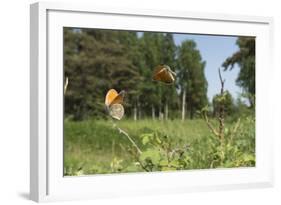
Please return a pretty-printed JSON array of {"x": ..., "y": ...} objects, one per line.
[
  {"x": 129, "y": 138},
  {"x": 221, "y": 111},
  {"x": 214, "y": 131}
]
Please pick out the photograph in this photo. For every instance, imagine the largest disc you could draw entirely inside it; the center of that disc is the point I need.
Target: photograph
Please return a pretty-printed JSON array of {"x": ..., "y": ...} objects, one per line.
[{"x": 147, "y": 101}]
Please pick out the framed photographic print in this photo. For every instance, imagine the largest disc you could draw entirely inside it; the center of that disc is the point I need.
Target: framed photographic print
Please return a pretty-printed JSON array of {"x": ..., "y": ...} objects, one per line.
[{"x": 128, "y": 101}]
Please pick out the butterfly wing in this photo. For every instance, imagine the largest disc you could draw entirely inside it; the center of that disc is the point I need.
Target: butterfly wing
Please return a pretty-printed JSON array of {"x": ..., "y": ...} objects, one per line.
[
  {"x": 110, "y": 96},
  {"x": 119, "y": 98},
  {"x": 167, "y": 77},
  {"x": 158, "y": 72},
  {"x": 163, "y": 74},
  {"x": 116, "y": 111}
]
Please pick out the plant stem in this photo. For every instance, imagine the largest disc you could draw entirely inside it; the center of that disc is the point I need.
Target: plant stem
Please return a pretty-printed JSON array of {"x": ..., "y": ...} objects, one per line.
[
  {"x": 129, "y": 138},
  {"x": 214, "y": 131},
  {"x": 221, "y": 110},
  {"x": 221, "y": 121}
]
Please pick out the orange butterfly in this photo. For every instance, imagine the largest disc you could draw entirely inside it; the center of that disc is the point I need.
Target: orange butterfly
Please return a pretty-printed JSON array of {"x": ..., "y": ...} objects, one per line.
[
  {"x": 113, "y": 102},
  {"x": 112, "y": 97},
  {"x": 164, "y": 74}
]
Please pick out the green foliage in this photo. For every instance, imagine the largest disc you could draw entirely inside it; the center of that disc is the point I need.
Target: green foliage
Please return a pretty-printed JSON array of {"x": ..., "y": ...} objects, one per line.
[
  {"x": 162, "y": 154},
  {"x": 94, "y": 62},
  {"x": 224, "y": 100},
  {"x": 97, "y": 60},
  {"x": 95, "y": 147},
  {"x": 191, "y": 76},
  {"x": 245, "y": 58},
  {"x": 242, "y": 109},
  {"x": 237, "y": 150}
]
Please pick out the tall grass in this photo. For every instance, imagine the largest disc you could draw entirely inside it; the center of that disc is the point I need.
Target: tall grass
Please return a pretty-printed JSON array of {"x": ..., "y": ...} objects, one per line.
[{"x": 95, "y": 146}]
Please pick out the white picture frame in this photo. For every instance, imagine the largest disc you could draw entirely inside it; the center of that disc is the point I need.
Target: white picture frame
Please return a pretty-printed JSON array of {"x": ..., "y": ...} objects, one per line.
[{"x": 46, "y": 177}]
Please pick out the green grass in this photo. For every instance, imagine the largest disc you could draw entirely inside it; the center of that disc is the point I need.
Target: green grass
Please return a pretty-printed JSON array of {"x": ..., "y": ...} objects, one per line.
[{"x": 91, "y": 146}]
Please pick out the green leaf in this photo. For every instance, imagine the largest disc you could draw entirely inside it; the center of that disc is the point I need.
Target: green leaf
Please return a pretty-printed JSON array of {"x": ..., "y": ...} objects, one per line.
[
  {"x": 145, "y": 140},
  {"x": 174, "y": 163},
  {"x": 158, "y": 140},
  {"x": 163, "y": 162},
  {"x": 168, "y": 169},
  {"x": 151, "y": 154},
  {"x": 226, "y": 131},
  {"x": 248, "y": 158}
]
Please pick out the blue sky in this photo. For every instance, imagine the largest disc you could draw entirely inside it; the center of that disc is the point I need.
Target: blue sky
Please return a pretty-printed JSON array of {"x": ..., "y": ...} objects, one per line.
[{"x": 214, "y": 50}]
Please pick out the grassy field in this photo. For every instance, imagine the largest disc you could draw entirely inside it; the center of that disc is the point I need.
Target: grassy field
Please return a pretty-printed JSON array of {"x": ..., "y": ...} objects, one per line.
[{"x": 96, "y": 146}]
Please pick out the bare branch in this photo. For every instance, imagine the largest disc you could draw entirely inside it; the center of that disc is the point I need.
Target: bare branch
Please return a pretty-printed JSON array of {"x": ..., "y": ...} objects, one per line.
[
  {"x": 222, "y": 81},
  {"x": 214, "y": 131},
  {"x": 129, "y": 138},
  {"x": 65, "y": 85}
]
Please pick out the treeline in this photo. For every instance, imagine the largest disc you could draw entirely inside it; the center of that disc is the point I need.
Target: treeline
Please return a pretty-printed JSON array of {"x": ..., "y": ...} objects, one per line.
[
  {"x": 97, "y": 60},
  {"x": 245, "y": 57}
]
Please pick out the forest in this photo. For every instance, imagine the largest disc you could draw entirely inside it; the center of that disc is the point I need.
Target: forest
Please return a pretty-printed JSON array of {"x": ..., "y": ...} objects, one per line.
[{"x": 173, "y": 126}]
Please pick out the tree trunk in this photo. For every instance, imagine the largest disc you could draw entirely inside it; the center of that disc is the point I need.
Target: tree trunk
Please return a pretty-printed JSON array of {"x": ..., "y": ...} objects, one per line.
[
  {"x": 139, "y": 109},
  {"x": 140, "y": 114},
  {"x": 183, "y": 105},
  {"x": 135, "y": 112},
  {"x": 251, "y": 101},
  {"x": 166, "y": 111},
  {"x": 160, "y": 114},
  {"x": 153, "y": 112},
  {"x": 191, "y": 106}
]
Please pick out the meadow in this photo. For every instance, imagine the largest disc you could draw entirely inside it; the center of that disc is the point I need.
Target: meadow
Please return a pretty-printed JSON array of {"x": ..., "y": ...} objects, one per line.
[
  {"x": 97, "y": 147},
  {"x": 176, "y": 117}
]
